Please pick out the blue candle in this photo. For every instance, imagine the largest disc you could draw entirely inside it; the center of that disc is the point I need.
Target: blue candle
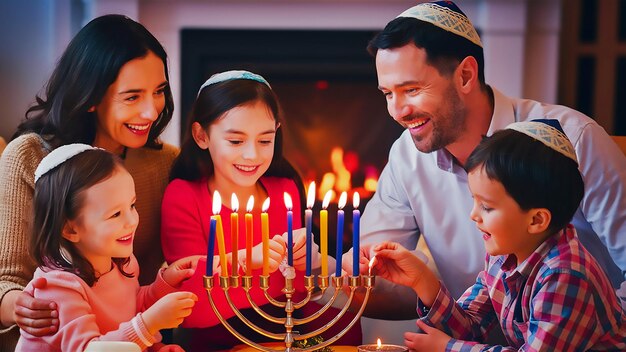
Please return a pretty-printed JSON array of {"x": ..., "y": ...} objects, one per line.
[
  {"x": 308, "y": 222},
  {"x": 339, "y": 251},
  {"x": 308, "y": 219},
  {"x": 356, "y": 228},
  {"x": 211, "y": 249},
  {"x": 288, "y": 205}
]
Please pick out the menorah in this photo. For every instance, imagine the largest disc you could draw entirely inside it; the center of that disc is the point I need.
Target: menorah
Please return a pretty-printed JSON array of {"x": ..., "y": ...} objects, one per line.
[
  {"x": 289, "y": 336},
  {"x": 234, "y": 281}
]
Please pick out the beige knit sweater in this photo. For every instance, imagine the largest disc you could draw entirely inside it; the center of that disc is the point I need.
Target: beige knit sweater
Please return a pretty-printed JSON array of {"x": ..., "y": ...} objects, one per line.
[{"x": 150, "y": 170}]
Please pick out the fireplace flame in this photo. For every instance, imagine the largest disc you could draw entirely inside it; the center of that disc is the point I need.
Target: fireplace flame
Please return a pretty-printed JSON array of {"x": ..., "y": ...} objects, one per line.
[{"x": 340, "y": 179}]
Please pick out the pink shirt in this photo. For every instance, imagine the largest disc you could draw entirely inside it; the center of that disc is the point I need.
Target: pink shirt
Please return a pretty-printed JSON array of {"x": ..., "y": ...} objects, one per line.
[{"x": 108, "y": 311}]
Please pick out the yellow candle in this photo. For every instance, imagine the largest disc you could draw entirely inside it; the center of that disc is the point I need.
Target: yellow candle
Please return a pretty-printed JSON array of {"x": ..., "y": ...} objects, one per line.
[
  {"x": 265, "y": 232},
  {"x": 249, "y": 235},
  {"x": 324, "y": 233},
  {"x": 234, "y": 233},
  {"x": 221, "y": 246}
]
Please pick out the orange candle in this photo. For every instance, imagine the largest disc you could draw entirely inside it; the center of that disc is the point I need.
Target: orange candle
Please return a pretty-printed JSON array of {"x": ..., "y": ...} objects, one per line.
[
  {"x": 324, "y": 232},
  {"x": 234, "y": 233},
  {"x": 220, "y": 234},
  {"x": 265, "y": 232},
  {"x": 249, "y": 235}
]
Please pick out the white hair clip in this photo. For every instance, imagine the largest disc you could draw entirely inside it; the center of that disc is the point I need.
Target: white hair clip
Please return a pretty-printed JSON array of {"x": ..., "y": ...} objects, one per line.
[{"x": 59, "y": 156}]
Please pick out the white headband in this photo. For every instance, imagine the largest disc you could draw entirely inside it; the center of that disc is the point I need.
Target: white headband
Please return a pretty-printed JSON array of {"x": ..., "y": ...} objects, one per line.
[
  {"x": 232, "y": 75},
  {"x": 59, "y": 156}
]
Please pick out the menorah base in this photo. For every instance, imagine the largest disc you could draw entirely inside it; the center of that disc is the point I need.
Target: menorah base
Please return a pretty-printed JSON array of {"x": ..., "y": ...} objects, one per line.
[{"x": 289, "y": 306}]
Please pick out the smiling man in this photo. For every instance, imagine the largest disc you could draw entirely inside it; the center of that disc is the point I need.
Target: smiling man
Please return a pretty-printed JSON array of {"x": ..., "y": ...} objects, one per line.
[{"x": 430, "y": 68}]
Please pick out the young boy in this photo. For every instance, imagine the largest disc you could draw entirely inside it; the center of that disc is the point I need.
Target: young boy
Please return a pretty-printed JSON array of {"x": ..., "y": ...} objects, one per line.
[{"x": 540, "y": 284}]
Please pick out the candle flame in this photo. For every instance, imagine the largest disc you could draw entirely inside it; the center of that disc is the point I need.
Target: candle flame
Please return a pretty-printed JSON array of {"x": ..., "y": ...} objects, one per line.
[
  {"x": 379, "y": 343},
  {"x": 288, "y": 203},
  {"x": 266, "y": 204},
  {"x": 343, "y": 199},
  {"x": 234, "y": 203},
  {"x": 217, "y": 203},
  {"x": 310, "y": 196},
  {"x": 250, "y": 204},
  {"x": 356, "y": 200},
  {"x": 327, "y": 199}
]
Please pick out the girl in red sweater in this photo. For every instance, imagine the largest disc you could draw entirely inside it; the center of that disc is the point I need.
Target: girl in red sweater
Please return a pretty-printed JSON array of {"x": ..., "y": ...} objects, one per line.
[{"x": 233, "y": 145}]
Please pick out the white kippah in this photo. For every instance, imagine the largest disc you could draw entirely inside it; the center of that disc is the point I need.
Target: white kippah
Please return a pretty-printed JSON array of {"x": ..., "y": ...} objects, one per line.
[
  {"x": 547, "y": 135},
  {"x": 59, "y": 156},
  {"x": 231, "y": 75},
  {"x": 447, "y": 16}
]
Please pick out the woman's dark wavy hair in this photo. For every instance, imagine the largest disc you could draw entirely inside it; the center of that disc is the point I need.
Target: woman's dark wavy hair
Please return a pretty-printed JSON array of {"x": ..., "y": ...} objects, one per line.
[
  {"x": 533, "y": 174},
  {"x": 212, "y": 103},
  {"x": 89, "y": 65},
  {"x": 444, "y": 50},
  {"x": 59, "y": 197}
]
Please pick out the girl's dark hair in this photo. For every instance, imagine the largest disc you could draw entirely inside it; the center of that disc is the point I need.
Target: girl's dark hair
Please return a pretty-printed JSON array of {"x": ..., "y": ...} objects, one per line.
[
  {"x": 444, "y": 50},
  {"x": 214, "y": 101},
  {"x": 533, "y": 174},
  {"x": 59, "y": 197},
  {"x": 89, "y": 65}
]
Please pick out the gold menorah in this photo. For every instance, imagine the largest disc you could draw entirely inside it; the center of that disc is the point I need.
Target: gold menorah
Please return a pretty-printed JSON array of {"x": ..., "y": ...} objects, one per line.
[{"x": 289, "y": 336}]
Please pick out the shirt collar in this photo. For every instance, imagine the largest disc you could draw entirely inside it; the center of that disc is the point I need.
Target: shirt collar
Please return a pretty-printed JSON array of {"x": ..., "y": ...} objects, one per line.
[
  {"x": 539, "y": 255},
  {"x": 503, "y": 112}
]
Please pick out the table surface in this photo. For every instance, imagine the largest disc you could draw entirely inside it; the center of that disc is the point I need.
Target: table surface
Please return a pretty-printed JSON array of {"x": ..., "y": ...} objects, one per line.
[{"x": 279, "y": 345}]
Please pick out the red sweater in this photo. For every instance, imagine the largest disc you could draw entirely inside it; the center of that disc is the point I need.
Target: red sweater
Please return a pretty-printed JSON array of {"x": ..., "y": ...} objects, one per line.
[{"x": 186, "y": 212}]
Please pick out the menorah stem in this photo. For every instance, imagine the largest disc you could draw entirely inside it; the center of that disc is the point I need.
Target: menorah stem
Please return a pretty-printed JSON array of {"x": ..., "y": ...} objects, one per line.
[{"x": 288, "y": 291}]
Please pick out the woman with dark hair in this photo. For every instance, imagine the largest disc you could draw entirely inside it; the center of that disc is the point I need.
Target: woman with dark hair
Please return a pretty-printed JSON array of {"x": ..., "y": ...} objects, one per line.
[{"x": 110, "y": 90}]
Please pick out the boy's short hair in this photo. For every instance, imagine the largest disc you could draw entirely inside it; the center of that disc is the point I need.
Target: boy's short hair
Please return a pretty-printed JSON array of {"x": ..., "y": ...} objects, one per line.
[{"x": 533, "y": 174}]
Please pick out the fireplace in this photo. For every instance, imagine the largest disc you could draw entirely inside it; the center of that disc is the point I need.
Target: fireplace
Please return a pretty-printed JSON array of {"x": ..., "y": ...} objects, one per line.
[{"x": 337, "y": 129}]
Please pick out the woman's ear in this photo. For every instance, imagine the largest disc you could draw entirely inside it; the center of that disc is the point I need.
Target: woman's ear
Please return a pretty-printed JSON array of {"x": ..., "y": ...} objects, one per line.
[
  {"x": 540, "y": 220},
  {"x": 200, "y": 135},
  {"x": 69, "y": 233}
]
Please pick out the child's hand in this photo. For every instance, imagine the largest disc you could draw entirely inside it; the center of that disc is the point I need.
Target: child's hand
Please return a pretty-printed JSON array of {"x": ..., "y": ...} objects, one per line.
[
  {"x": 396, "y": 264},
  {"x": 364, "y": 259},
  {"x": 277, "y": 253},
  {"x": 299, "y": 250},
  {"x": 181, "y": 270},
  {"x": 169, "y": 311},
  {"x": 431, "y": 340}
]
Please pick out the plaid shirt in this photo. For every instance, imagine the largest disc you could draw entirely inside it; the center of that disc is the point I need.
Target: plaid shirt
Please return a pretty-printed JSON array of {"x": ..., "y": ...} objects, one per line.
[{"x": 558, "y": 299}]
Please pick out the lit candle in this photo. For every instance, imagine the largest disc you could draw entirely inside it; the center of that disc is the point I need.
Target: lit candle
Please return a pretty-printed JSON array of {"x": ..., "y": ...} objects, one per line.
[
  {"x": 356, "y": 228},
  {"x": 265, "y": 232},
  {"x": 249, "y": 235},
  {"x": 343, "y": 198},
  {"x": 308, "y": 222},
  {"x": 324, "y": 232},
  {"x": 380, "y": 347},
  {"x": 217, "y": 204},
  {"x": 289, "y": 206},
  {"x": 234, "y": 233}
]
